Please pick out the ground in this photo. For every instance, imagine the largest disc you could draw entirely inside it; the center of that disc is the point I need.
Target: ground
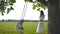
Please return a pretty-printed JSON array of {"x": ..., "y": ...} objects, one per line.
[{"x": 29, "y": 28}]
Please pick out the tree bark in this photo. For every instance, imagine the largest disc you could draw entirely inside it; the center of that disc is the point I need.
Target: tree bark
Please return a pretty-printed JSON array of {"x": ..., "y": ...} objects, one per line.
[{"x": 53, "y": 16}]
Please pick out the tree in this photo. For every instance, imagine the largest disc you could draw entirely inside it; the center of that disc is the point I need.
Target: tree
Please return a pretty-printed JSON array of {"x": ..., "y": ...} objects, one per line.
[
  {"x": 4, "y": 4},
  {"x": 53, "y": 15}
]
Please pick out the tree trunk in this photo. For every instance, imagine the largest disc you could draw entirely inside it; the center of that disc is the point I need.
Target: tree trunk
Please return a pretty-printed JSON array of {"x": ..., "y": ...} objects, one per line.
[{"x": 53, "y": 16}]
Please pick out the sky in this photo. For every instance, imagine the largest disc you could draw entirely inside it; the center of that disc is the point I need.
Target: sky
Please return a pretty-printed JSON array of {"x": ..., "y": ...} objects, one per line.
[{"x": 18, "y": 9}]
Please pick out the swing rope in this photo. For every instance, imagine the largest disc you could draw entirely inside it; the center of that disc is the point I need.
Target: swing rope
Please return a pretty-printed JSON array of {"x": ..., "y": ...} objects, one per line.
[
  {"x": 20, "y": 22},
  {"x": 24, "y": 10}
]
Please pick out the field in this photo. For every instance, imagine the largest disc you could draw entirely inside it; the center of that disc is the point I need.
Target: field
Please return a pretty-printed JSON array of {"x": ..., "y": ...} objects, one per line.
[{"x": 29, "y": 28}]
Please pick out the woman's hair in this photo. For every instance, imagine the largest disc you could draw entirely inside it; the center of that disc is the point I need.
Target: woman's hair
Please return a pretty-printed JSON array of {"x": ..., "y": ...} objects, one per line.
[{"x": 41, "y": 13}]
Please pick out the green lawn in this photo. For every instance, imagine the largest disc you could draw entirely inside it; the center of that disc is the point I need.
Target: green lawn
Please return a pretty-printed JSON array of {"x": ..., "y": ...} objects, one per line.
[{"x": 29, "y": 28}]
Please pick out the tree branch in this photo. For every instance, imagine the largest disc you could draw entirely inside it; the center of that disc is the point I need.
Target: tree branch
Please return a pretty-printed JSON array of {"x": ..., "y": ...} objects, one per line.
[{"x": 43, "y": 2}]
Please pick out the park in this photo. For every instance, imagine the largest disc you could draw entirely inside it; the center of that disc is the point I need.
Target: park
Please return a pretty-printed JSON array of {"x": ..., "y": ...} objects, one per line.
[{"x": 53, "y": 16}]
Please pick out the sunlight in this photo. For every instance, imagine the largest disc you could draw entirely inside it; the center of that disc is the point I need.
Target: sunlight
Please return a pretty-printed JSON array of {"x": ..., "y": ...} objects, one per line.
[{"x": 17, "y": 12}]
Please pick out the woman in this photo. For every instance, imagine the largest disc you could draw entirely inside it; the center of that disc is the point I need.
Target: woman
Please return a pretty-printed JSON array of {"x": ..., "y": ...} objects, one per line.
[
  {"x": 19, "y": 26},
  {"x": 40, "y": 27}
]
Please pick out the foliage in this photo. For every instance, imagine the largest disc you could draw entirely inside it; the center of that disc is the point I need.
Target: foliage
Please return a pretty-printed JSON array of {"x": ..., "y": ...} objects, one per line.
[
  {"x": 37, "y": 4},
  {"x": 4, "y": 4}
]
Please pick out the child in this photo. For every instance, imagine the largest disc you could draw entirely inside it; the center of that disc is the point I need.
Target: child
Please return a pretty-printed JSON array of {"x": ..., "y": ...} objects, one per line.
[
  {"x": 40, "y": 27},
  {"x": 20, "y": 26}
]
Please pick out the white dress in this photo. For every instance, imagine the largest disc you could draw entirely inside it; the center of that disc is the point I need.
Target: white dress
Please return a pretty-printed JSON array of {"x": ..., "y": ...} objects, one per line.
[{"x": 40, "y": 27}]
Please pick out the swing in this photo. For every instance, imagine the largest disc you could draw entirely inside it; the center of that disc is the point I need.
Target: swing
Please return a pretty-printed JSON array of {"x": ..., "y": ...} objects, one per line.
[{"x": 20, "y": 22}]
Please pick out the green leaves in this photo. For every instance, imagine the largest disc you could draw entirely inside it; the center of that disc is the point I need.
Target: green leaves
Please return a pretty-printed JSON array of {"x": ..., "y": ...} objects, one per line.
[
  {"x": 36, "y": 4},
  {"x": 4, "y": 4},
  {"x": 11, "y": 2},
  {"x": 2, "y": 7},
  {"x": 9, "y": 9},
  {"x": 28, "y": 0}
]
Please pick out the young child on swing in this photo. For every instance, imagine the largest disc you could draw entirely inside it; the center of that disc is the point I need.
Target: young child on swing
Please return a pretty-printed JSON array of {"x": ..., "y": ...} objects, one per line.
[
  {"x": 19, "y": 26},
  {"x": 40, "y": 27}
]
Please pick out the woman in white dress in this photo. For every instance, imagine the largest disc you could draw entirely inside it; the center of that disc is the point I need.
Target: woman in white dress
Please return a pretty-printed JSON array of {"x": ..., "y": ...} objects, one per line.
[
  {"x": 19, "y": 26},
  {"x": 40, "y": 27}
]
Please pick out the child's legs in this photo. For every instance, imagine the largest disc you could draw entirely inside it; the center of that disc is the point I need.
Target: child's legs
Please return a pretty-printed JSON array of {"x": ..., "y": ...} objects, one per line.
[
  {"x": 21, "y": 31},
  {"x": 41, "y": 33}
]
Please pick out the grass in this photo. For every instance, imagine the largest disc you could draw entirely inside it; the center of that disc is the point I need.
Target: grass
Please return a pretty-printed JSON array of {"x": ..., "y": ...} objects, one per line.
[{"x": 29, "y": 28}]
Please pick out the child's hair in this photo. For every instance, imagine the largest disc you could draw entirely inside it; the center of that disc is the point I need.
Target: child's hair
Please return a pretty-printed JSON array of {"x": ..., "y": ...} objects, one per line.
[
  {"x": 22, "y": 20},
  {"x": 41, "y": 13}
]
